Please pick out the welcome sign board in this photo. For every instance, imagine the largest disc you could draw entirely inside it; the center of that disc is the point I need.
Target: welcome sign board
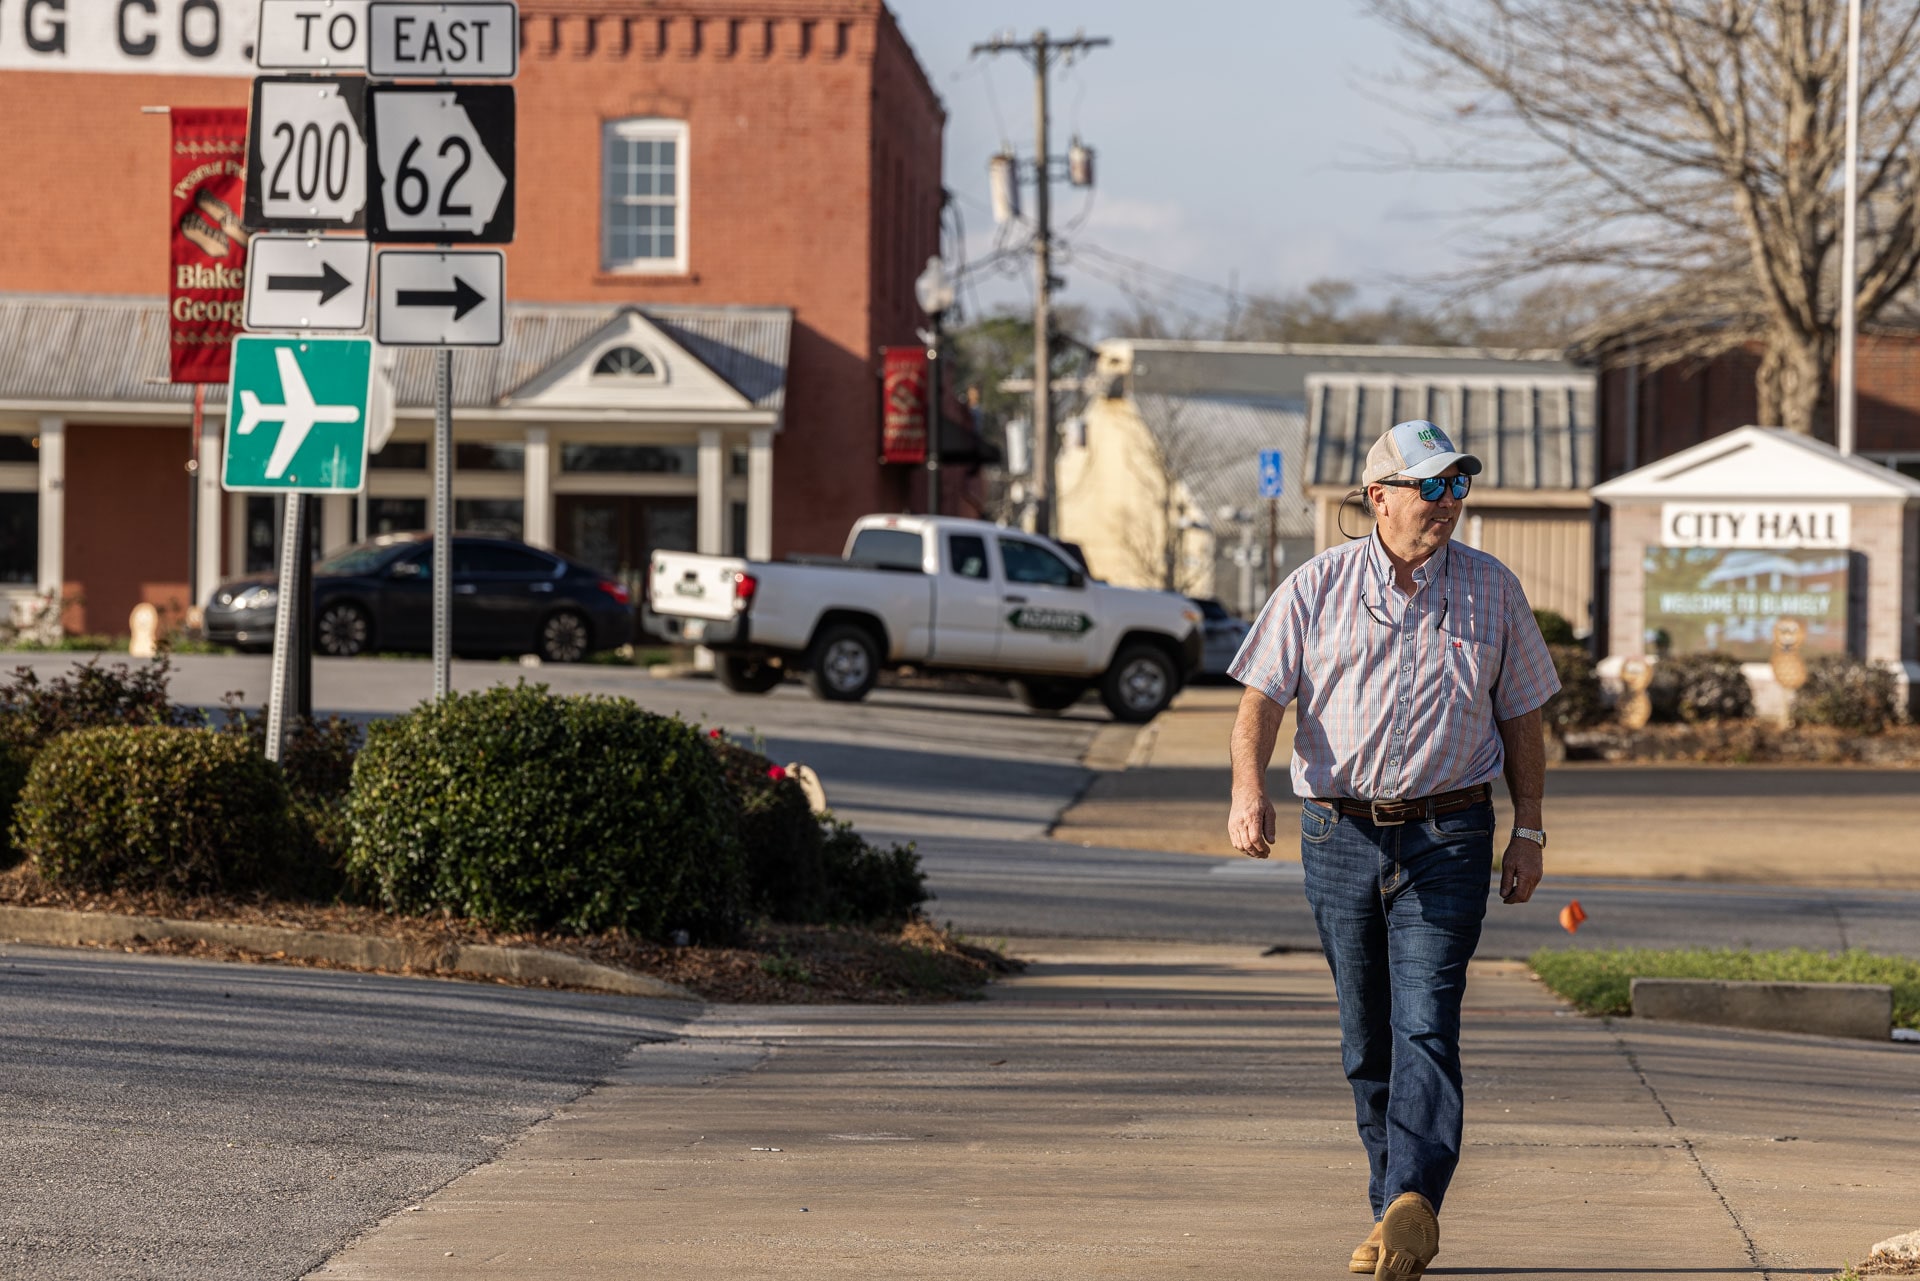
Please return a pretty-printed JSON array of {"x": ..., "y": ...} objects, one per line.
[{"x": 1727, "y": 599}]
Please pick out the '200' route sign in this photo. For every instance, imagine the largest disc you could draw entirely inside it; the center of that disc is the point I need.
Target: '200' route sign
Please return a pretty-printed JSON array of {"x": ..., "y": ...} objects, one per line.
[
  {"x": 443, "y": 162},
  {"x": 306, "y": 158}
]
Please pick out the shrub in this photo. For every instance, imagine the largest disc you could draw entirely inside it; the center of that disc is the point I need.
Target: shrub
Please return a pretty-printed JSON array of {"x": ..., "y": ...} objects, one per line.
[
  {"x": 317, "y": 756},
  {"x": 804, "y": 869},
  {"x": 153, "y": 808},
  {"x": 1554, "y": 627},
  {"x": 1700, "y": 687},
  {"x": 1846, "y": 693},
  {"x": 15, "y": 761},
  {"x": 1578, "y": 703},
  {"x": 520, "y": 809}
]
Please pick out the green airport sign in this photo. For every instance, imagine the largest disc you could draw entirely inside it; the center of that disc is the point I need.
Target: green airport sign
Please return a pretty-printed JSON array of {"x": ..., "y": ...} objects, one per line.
[{"x": 297, "y": 415}]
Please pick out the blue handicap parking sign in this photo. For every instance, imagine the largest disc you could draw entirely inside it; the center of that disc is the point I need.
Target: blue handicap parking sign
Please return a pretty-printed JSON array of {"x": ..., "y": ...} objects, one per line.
[{"x": 1270, "y": 473}]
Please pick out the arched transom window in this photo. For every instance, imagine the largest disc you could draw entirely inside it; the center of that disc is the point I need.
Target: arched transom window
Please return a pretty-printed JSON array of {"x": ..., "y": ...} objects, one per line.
[{"x": 625, "y": 362}]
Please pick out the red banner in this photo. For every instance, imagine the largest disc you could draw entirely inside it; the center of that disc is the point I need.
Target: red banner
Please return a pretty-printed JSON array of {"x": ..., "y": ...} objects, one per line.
[
  {"x": 903, "y": 405},
  {"x": 207, "y": 289}
]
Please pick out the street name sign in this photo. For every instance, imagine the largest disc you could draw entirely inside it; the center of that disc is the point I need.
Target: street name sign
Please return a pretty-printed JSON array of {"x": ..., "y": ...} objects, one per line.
[
  {"x": 442, "y": 161},
  {"x": 297, "y": 415},
  {"x": 312, "y": 35},
  {"x": 1272, "y": 473},
  {"x": 307, "y": 282},
  {"x": 306, "y": 154},
  {"x": 476, "y": 41},
  {"x": 432, "y": 299}
]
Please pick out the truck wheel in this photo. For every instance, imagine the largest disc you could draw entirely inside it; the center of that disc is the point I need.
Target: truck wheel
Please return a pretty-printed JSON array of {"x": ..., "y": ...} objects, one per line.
[
  {"x": 744, "y": 675},
  {"x": 1048, "y": 695},
  {"x": 1139, "y": 685},
  {"x": 844, "y": 664}
]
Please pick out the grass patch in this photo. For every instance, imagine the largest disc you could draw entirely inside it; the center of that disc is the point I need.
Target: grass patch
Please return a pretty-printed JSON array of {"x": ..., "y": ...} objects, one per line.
[{"x": 1601, "y": 982}]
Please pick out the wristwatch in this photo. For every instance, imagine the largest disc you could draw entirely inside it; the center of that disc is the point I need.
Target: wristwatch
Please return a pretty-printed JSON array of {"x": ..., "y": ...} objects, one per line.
[{"x": 1533, "y": 834}]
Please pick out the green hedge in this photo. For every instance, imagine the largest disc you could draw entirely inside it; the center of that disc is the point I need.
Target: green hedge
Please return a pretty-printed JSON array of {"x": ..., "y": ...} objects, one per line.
[
  {"x": 1700, "y": 687},
  {"x": 519, "y": 809},
  {"x": 1554, "y": 627},
  {"x": 153, "y": 808},
  {"x": 1579, "y": 702},
  {"x": 1846, "y": 693}
]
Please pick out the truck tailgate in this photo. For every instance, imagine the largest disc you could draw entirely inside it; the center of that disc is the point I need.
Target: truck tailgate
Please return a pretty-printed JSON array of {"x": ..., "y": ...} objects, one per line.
[{"x": 688, "y": 585}]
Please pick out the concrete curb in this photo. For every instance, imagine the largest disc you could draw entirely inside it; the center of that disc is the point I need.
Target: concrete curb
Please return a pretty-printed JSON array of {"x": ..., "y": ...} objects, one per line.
[
  {"x": 1861, "y": 1011},
  {"x": 63, "y": 928}
]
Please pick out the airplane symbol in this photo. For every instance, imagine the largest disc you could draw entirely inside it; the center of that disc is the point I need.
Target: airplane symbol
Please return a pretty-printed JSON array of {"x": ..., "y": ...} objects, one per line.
[{"x": 297, "y": 416}]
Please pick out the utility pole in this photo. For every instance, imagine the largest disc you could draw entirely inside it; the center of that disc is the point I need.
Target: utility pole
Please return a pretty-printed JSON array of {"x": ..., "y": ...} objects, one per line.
[{"x": 1040, "y": 53}]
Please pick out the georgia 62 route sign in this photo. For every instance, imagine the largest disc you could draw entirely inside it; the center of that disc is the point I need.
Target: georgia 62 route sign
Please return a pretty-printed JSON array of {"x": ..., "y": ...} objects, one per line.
[
  {"x": 442, "y": 163},
  {"x": 306, "y": 154}
]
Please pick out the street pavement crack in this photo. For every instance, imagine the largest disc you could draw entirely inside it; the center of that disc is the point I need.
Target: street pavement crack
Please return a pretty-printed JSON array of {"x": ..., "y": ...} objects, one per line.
[{"x": 1693, "y": 1153}]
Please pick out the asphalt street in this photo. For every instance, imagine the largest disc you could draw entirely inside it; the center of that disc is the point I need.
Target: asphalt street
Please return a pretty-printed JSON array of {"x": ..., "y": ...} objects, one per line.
[{"x": 180, "y": 1119}]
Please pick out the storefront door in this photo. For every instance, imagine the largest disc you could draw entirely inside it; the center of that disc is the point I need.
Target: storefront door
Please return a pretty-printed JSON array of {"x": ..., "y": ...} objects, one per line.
[{"x": 618, "y": 533}]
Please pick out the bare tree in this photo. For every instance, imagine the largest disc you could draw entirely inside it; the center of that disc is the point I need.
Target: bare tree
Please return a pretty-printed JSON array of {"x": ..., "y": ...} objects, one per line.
[
  {"x": 1695, "y": 147},
  {"x": 1171, "y": 452}
]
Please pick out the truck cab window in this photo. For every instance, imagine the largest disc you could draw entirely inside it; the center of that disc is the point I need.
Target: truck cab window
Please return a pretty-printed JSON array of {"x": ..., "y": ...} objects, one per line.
[
  {"x": 968, "y": 555},
  {"x": 886, "y": 548},
  {"x": 1031, "y": 563}
]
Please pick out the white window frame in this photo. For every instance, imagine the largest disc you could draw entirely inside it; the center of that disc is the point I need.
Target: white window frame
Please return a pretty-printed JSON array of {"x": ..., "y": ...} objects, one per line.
[{"x": 647, "y": 129}]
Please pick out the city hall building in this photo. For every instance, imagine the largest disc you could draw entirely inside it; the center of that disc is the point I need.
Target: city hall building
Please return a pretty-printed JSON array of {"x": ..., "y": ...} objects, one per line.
[{"x": 721, "y": 210}]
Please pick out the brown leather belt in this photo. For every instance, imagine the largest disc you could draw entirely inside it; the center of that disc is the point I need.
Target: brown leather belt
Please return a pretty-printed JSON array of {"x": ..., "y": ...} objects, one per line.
[{"x": 1394, "y": 813}]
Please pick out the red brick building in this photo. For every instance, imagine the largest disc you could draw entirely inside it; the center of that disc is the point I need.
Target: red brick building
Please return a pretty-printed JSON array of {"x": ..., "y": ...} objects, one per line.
[{"x": 691, "y": 366}]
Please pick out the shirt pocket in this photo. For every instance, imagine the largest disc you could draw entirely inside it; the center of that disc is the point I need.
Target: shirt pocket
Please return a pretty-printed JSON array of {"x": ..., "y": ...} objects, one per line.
[{"x": 1470, "y": 666}]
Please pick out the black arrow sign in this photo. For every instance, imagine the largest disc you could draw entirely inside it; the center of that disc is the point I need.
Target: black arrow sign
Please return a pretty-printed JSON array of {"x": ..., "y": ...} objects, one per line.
[
  {"x": 328, "y": 283},
  {"x": 463, "y": 298}
]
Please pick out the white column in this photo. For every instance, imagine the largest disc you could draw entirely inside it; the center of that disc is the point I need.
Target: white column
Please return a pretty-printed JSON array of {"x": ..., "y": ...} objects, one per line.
[
  {"x": 53, "y": 507},
  {"x": 536, "y": 515},
  {"x": 213, "y": 505},
  {"x": 336, "y": 522},
  {"x": 760, "y": 494},
  {"x": 713, "y": 496}
]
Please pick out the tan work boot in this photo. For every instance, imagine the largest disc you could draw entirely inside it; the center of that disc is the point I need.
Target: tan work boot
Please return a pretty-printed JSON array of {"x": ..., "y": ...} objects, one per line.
[
  {"x": 1409, "y": 1238},
  {"x": 1366, "y": 1255}
]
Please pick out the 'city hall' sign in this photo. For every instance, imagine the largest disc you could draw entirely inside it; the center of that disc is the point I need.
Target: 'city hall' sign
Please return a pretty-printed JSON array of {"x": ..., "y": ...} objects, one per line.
[{"x": 1735, "y": 524}]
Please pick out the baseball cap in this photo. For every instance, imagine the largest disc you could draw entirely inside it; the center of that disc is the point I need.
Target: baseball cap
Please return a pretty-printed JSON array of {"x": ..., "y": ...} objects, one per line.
[{"x": 1417, "y": 448}]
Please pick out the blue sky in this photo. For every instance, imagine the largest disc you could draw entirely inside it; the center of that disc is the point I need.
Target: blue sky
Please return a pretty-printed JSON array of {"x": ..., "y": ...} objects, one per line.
[{"x": 1233, "y": 137}]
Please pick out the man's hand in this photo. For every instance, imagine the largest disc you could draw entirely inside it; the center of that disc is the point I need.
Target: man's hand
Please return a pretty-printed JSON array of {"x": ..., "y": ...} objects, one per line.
[
  {"x": 1250, "y": 822},
  {"x": 1520, "y": 870}
]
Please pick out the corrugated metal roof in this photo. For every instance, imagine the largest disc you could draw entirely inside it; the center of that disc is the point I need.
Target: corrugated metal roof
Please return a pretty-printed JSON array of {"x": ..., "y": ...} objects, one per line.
[
  {"x": 1531, "y": 432},
  {"x": 1279, "y": 371},
  {"x": 107, "y": 349},
  {"x": 1216, "y": 442}
]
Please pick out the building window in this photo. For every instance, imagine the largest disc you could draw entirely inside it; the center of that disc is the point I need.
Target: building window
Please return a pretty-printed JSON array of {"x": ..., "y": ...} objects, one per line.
[
  {"x": 473, "y": 455},
  {"x": 19, "y": 449},
  {"x": 400, "y": 455},
  {"x": 643, "y": 180},
  {"x": 395, "y": 516},
  {"x": 488, "y": 516},
  {"x": 19, "y": 538},
  {"x": 626, "y": 362},
  {"x": 670, "y": 460}
]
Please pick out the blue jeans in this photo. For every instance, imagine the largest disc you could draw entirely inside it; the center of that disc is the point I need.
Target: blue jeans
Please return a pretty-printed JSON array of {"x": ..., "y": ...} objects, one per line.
[{"x": 1399, "y": 911}]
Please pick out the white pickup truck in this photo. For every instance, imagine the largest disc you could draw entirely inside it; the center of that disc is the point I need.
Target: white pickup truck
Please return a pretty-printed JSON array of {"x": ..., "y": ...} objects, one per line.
[{"x": 935, "y": 593}]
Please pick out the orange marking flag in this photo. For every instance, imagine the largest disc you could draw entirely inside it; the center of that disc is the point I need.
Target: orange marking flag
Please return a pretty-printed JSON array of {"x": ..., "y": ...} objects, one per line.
[{"x": 1571, "y": 916}]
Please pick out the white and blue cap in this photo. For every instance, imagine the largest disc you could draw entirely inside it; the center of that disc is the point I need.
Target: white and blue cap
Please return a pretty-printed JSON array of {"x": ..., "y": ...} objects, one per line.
[{"x": 1417, "y": 448}]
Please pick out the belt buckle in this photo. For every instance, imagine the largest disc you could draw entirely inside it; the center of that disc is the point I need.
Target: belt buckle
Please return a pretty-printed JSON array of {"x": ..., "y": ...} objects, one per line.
[{"x": 1373, "y": 808}]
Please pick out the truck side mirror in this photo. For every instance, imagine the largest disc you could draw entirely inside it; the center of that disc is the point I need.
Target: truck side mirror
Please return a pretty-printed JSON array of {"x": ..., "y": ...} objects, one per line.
[{"x": 1076, "y": 579}]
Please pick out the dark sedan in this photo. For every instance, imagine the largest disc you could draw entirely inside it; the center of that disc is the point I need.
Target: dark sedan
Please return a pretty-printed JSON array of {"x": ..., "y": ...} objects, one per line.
[{"x": 508, "y": 598}]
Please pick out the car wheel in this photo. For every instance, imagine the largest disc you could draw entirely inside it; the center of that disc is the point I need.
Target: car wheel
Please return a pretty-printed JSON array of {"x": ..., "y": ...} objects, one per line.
[
  {"x": 744, "y": 675},
  {"x": 342, "y": 630},
  {"x": 1139, "y": 685},
  {"x": 565, "y": 638},
  {"x": 844, "y": 664},
  {"x": 1048, "y": 695}
]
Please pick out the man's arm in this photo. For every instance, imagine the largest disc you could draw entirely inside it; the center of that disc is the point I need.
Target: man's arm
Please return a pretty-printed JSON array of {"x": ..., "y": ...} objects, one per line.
[
  {"x": 1521, "y": 867},
  {"x": 1250, "y": 823}
]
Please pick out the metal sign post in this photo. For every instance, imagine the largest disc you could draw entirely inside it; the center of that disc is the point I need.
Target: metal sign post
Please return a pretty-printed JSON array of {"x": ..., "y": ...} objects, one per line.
[
  {"x": 1272, "y": 484},
  {"x": 288, "y": 618},
  {"x": 442, "y": 522}
]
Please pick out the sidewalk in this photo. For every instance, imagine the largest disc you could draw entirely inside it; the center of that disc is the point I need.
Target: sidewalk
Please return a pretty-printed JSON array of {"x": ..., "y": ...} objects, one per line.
[
  {"x": 1712, "y": 823},
  {"x": 1161, "y": 1111}
]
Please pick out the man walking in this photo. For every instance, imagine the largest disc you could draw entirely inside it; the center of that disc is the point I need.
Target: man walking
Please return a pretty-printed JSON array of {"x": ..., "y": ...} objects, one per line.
[{"x": 1417, "y": 673}]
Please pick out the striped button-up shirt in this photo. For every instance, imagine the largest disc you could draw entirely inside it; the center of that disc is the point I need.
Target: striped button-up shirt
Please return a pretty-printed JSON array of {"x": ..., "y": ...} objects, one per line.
[{"x": 1398, "y": 695}]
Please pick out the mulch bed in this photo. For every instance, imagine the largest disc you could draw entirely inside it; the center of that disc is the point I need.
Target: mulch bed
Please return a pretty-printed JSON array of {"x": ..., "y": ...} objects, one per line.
[
  {"x": 1747, "y": 742},
  {"x": 775, "y": 964}
]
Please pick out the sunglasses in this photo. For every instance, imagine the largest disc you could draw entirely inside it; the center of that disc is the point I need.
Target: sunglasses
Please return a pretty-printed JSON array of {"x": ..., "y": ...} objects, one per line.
[{"x": 1433, "y": 487}]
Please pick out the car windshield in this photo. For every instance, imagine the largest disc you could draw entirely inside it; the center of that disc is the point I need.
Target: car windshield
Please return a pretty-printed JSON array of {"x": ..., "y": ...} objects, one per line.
[{"x": 360, "y": 558}]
